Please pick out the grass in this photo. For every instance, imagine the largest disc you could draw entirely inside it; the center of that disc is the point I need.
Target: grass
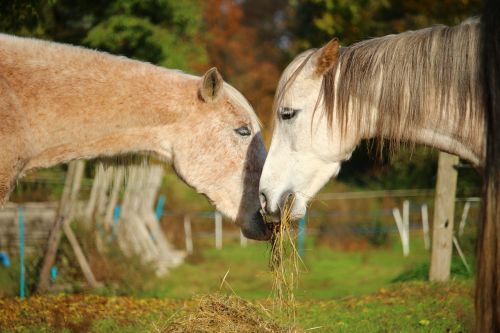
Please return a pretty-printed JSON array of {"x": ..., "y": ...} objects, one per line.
[
  {"x": 339, "y": 292},
  {"x": 408, "y": 307},
  {"x": 329, "y": 274}
]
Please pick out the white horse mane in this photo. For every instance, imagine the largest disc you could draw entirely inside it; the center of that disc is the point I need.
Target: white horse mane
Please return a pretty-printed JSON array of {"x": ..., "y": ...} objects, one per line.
[{"x": 426, "y": 78}]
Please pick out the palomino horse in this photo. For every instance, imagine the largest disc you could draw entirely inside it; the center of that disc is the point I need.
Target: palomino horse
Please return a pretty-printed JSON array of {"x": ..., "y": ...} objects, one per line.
[
  {"x": 60, "y": 102},
  {"x": 420, "y": 86}
]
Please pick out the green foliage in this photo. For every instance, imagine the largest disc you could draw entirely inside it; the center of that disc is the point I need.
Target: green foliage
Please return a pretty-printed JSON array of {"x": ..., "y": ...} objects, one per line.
[
  {"x": 160, "y": 32},
  {"x": 163, "y": 32},
  {"x": 17, "y": 14},
  {"x": 353, "y": 20},
  {"x": 379, "y": 237},
  {"x": 349, "y": 20},
  {"x": 408, "y": 167},
  {"x": 421, "y": 272},
  {"x": 9, "y": 276}
]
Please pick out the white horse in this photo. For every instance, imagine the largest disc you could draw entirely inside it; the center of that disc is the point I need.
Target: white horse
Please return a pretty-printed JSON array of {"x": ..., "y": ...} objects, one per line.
[
  {"x": 60, "y": 102},
  {"x": 328, "y": 100},
  {"x": 420, "y": 86}
]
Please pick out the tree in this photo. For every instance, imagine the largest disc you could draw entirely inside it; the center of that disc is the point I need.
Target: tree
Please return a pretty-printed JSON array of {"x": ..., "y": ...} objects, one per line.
[
  {"x": 21, "y": 17},
  {"x": 241, "y": 53},
  {"x": 163, "y": 32},
  {"x": 317, "y": 21}
]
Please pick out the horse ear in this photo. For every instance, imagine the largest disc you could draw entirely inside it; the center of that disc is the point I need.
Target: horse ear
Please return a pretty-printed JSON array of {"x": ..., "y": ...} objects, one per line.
[
  {"x": 326, "y": 57},
  {"x": 211, "y": 85}
]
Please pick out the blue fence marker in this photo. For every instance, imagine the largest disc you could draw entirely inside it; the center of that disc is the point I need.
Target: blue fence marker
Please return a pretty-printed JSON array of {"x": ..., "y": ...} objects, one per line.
[
  {"x": 301, "y": 236},
  {"x": 4, "y": 259},
  {"x": 159, "y": 207},
  {"x": 21, "y": 253},
  {"x": 116, "y": 218},
  {"x": 116, "y": 214},
  {"x": 53, "y": 273}
]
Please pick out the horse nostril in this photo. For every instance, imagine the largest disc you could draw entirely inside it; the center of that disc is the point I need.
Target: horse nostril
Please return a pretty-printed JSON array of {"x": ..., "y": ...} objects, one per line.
[
  {"x": 286, "y": 197},
  {"x": 263, "y": 201}
]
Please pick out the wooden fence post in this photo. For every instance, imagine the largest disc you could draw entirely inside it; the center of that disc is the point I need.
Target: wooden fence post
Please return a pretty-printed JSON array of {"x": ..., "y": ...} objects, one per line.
[
  {"x": 55, "y": 233},
  {"x": 22, "y": 270},
  {"x": 444, "y": 209},
  {"x": 465, "y": 212},
  {"x": 425, "y": 226},
  {"x": 76, "y": 183},
  {"x": 65, "y": 212},
  {"x": 188, "y": 234},
  {"x": 118, "y": 179},
  {"x": 403, "y": 224},
  {"x": 218, "y": 230},
  {"x": 243, "y": 240},
  {"x": 80, "y": 257}
]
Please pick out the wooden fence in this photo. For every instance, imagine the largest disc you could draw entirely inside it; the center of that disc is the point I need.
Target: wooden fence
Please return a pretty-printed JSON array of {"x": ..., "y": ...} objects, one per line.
[{"x": 38, "y": 219}]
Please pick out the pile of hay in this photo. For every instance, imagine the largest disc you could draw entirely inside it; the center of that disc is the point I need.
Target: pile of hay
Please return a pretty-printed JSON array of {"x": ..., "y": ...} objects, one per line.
[{"x": 220, "y": 313}]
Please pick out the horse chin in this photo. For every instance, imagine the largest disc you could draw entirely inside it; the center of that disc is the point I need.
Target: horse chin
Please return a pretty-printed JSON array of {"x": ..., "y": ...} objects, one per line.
[
  {"x": 298, "y": 211},
  {"x": 255, "y": 228}
]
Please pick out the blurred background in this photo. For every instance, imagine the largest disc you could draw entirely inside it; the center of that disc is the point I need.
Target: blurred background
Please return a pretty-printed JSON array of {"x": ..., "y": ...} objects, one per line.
[{"x": 351, "y": 244}]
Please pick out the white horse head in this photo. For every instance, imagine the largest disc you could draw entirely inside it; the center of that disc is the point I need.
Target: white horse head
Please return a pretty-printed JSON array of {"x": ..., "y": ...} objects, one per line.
[{"x": 305, "y": 152}]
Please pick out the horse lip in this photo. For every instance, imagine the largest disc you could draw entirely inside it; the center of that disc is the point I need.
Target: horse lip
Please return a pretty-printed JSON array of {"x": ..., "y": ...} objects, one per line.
[
  {"x": 267, "y": 234},
  {"x": 270, "y": 219},
  {"x": 257, "y": 229}
]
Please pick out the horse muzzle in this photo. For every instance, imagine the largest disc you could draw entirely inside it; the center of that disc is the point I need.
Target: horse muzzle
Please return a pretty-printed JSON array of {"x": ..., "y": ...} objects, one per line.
[{"x": 255, "y": 228}]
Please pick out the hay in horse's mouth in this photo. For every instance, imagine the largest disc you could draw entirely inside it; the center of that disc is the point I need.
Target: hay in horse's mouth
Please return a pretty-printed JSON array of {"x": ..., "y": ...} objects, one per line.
[{"x": 284, "y": 259}]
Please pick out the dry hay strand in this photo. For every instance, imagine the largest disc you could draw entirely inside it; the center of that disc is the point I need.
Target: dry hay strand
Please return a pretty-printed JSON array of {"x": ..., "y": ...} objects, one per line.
[
  {"x": 220, "y": 313},
  {"x": 284, "y": 261}
]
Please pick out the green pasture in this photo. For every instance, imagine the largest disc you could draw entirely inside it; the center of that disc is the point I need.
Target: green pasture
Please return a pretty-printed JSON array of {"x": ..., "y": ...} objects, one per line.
[
  {"x": 338, "y": 292},
  {"x": 403, "y": 307},
  {"x": 326, "y": 274}
]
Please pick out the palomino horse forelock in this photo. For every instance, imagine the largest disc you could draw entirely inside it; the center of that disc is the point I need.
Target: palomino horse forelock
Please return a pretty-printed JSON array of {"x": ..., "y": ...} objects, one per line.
[{"x": 60, "y": 102}]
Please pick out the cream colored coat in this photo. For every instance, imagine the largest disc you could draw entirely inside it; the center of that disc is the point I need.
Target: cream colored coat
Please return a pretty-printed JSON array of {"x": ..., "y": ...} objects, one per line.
[{"x": 60, "y": 102}]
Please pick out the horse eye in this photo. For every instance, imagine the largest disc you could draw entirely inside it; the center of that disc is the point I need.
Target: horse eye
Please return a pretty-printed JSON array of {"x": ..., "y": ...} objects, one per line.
[
  {"x": 288, "y": 113},
  {"x": 243, "y": 131}
]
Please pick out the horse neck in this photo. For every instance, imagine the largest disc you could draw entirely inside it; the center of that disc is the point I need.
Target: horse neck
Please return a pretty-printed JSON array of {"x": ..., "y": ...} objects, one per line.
[
  {"x": 438, "y": 130},
  {"x": 419, "y": 86},
  {"x": 83, "y": 104}
]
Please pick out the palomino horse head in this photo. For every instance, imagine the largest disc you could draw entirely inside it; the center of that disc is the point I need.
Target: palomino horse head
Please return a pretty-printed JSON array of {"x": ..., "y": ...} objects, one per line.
[
  {"x": 306, "y": 150},
  {"x": 221, "y": 153}
]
